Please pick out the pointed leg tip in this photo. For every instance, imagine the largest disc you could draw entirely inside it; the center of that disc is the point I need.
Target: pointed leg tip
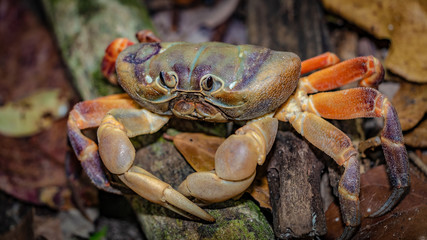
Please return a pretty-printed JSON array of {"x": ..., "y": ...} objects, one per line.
[
  {"x": 182, "y": 205},
  {"x": 391, "y": 202},
  {"x": 348, "y": 233},
  {"x": 210, "y": 219}
]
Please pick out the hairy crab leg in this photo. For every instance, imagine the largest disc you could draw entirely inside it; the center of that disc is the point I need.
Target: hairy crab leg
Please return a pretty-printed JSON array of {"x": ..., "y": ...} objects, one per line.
[
  {"x": 118, "y": 154},
  {"x": 108, "y": 64},
  {"x": 368, "y": 102},
  {"x": 338, "y": 146},
  {"x": 88, "y": 114},
  {"x": 367, "y": 70},
  {"x": 235, "y": 163},
  {"x": 321, "y": 61}
]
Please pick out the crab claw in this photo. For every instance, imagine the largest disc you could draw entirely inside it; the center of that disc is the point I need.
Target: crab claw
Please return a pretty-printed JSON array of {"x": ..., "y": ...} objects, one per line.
[{"x": 153, "y": 189}]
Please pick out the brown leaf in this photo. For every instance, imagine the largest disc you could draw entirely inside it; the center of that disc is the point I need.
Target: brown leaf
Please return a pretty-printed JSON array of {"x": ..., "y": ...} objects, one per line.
[
  {"x": 404, "y": 23},
  {"x": 260, "y": 191},
  {"x": 405, "y": 221},
  {"x": 410, "y": 102},
  {"x": 418, "y": 136},
  {"x": 198, "y": 149}
]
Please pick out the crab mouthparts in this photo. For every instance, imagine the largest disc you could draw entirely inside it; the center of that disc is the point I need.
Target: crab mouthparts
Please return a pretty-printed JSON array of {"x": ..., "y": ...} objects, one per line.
[{"x": 196, "y": 109}]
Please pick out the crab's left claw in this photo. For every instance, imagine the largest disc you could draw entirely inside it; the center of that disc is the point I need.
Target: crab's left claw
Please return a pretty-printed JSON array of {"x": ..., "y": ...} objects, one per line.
[
  {"x": 153, "y": 189},
  {"x": 118, "y": 154}
]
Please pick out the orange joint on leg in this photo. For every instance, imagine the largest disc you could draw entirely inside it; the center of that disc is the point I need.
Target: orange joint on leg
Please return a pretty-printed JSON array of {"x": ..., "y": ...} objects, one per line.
[
  {"x": 348, "y": 195},
  {"x": 110, "y": 121},
  {"x": 374, "y": 73},
  {"x": 87, "y": 152}
]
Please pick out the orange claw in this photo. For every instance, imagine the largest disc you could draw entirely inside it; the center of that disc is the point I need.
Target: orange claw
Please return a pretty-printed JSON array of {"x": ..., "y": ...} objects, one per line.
[
  {"x": 324, "y": 60},
  {"x": 108, "y": 65}
]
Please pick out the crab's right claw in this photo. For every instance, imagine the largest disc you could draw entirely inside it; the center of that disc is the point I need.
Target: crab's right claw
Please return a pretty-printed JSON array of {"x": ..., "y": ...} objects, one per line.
[{"x": 153, "y": 189}]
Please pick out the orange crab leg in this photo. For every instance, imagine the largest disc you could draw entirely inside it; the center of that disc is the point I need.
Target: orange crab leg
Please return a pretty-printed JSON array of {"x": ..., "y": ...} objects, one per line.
[
  {"x": 88, "y": 114},
  {"x": 108, "y": 65},
  {"x": 339, "y": 147},
  {"x": 322, "y": 61},
  {"x": 367, "y": 69},
  {"x": 368, "y": 102}
]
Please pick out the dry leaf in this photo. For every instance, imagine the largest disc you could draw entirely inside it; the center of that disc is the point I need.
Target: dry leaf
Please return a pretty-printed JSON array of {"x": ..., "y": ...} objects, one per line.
[
  {"x": 405, "y": 221},
  {"x": 260, "y": 191},
  {"x": 403, "y": 22},
  {"x": 410, "y": 102},
  {"x": 418, "y": 136},
  {"x": 32, "y": 114},
  {"x": 198, "y": 149}
]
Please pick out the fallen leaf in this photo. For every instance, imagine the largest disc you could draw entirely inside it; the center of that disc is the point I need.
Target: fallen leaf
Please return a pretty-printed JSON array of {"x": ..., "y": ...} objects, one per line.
[
  {"x": 417, "y": 137},
  {"x": 405, "y": 221},
  {"x": 410, "y": 102},
  {"x": 198, "y": 149},
  {"x": 403, "y": 22},
  {"x": 260, "y": 191},
  {"x": 32, "y": 114}
]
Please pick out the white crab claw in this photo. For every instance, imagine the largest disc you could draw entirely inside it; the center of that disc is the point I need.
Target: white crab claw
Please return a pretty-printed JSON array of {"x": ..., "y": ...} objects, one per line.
[
  {"x": 155, "y": 190},
  {"x": 209, "y": 188}
]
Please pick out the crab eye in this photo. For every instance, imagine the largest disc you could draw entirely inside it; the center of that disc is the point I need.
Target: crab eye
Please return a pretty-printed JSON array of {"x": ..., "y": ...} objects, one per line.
[
  {"x": 208, "y": 83},
  {"x": 167, "y": 79}
]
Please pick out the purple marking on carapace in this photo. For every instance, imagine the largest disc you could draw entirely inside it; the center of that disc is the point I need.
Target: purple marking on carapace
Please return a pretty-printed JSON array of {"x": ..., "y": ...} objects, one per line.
[
  {"x": 132, "y": 58},
  {"x": 140, "y": 73},
  {"x": 252, "y": 65}
]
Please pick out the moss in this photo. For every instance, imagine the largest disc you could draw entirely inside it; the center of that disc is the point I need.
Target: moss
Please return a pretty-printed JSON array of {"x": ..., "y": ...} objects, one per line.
[
  {"x": 102, "y": 86},
  {"x": 88, "y": 8}
]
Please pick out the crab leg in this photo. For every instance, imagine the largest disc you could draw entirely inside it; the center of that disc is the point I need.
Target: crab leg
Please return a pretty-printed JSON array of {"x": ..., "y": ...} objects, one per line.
[
  {"x": 338, "y": 146},
  {"x": 235, "y": 163},
  {"x": 367, "y": 69},
  {"x": 88, "y": 114},
  {"x": 322, "y": 61},
  {"x": 368, "y": 102},
  {"x": 118, "y": 154}
]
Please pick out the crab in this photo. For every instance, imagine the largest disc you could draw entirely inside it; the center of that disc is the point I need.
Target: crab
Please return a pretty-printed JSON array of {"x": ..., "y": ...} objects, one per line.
[{"x": 218, "y": 82}]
